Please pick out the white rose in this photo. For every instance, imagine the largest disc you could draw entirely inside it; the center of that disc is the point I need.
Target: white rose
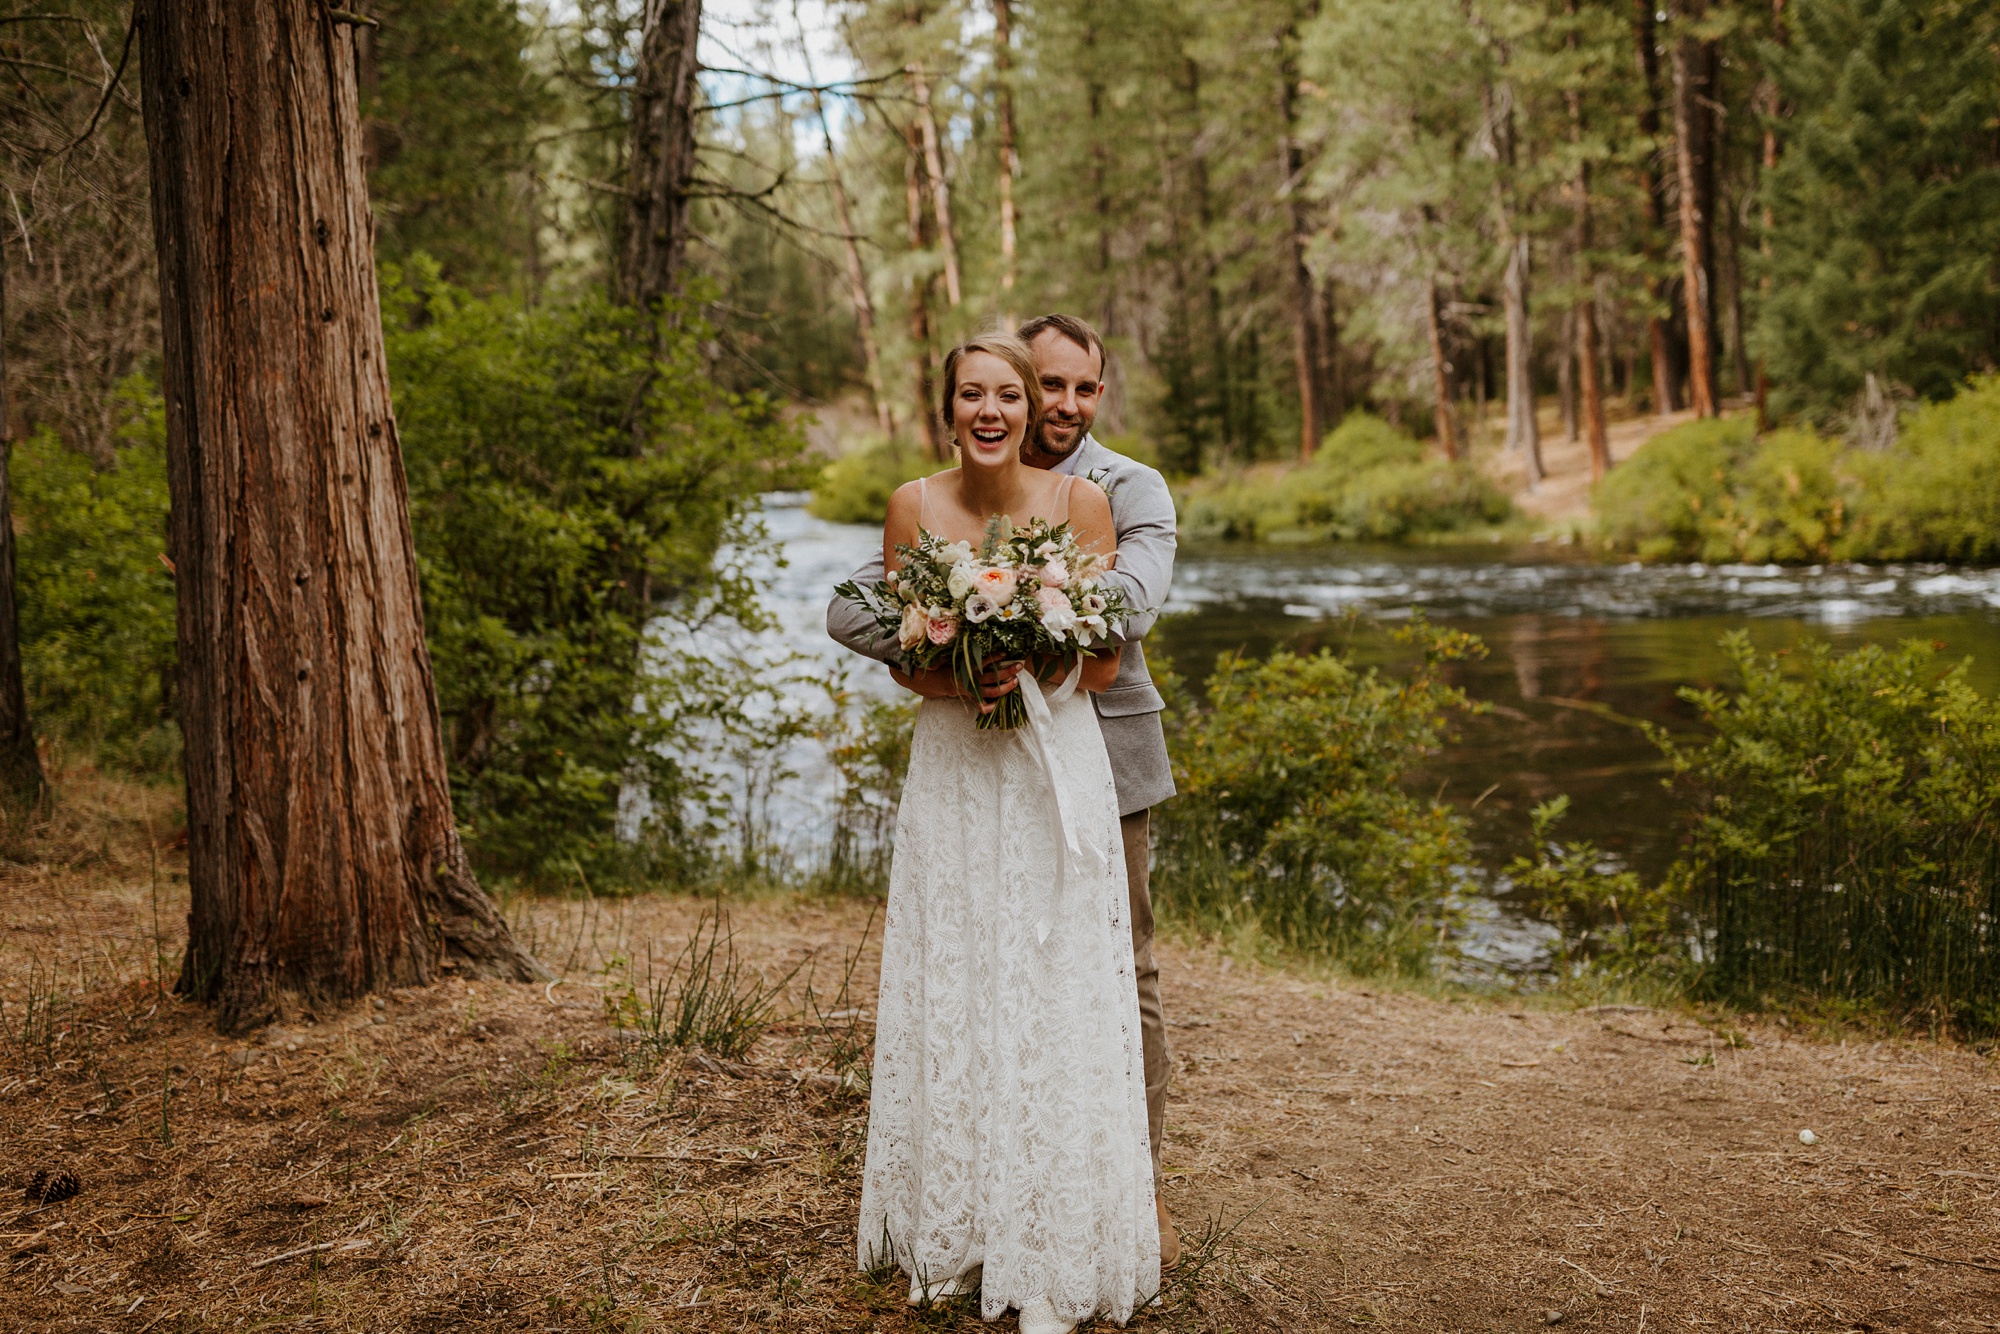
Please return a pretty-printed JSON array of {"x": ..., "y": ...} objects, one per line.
[
  {"x": 979, "y": 608},
  {"x": 955, "y": 553},
  {"x": 961, "y": 578}
]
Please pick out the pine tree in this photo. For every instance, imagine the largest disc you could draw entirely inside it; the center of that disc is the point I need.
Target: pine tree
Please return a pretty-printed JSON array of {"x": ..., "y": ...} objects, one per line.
[{"x": 1885, "y": 205}]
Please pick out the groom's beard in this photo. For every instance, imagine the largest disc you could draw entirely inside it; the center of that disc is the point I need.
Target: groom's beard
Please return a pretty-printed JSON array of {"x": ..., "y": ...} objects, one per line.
[{"x": 1059, "y": 439}]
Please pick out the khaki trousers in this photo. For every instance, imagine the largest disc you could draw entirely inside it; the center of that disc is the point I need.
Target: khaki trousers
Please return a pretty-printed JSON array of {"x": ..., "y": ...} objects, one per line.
[{"x": 1137, "y": 830}]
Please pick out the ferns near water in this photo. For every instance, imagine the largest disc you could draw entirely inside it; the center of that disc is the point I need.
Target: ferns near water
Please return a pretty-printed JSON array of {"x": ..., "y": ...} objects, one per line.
[{"x": 1846, "y": 841}]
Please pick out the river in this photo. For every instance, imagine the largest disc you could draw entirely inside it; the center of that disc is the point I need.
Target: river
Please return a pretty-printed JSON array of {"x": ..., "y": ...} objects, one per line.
[{"x": 1580, "y": 653}]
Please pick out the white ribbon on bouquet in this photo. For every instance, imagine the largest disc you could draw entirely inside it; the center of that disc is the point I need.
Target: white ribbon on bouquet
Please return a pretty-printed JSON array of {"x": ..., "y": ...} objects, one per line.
[{"x": 1038, "y": 734}]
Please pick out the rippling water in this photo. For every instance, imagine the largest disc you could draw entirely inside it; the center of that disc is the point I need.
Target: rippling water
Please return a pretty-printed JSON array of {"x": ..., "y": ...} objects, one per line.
[{"x": 1580, "y": 654}]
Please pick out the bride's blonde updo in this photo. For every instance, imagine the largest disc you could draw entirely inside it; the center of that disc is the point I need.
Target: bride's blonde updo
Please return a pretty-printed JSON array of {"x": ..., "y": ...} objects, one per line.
[{"x": 1010, "y": 350}]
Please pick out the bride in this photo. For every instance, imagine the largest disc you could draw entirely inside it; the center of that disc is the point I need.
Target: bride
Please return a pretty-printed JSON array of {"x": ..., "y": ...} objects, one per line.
[{"x": 1007, "y": 1134}]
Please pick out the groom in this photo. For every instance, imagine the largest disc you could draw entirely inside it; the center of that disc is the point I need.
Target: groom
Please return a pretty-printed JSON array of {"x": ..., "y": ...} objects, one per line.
[{"x": 1069, "y": 356}]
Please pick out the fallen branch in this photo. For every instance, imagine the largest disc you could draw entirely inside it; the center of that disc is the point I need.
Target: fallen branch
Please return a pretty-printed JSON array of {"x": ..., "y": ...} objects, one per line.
[
  {"x": 1947, "y": 1260},
  {"x": 352, "y": 1244}
]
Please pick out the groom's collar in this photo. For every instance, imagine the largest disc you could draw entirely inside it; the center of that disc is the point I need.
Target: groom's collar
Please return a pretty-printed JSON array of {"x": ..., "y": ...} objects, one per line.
[{"x": 1074, "y": 458}]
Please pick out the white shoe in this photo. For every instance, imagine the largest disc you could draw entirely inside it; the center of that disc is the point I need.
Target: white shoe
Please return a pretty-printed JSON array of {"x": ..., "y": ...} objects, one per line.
[
  {"x": 928, "y": 1293},
  {"x": 1039, "y": 1317}
]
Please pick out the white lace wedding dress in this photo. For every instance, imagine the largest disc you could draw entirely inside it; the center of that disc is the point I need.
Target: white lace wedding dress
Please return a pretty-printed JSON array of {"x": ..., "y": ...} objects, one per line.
[{"x": 1007, "y": 1124}]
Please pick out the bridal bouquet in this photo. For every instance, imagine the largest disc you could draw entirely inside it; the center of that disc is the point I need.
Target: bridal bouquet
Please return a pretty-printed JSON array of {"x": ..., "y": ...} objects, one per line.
[{"x": 1028, "y": 593}]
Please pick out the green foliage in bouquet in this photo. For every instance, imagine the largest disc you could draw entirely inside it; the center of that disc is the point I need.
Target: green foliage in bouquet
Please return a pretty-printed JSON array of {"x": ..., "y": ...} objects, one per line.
[
  {"x": 1292, "y": 815},
  {"x": 1845, "y": 837},
  {"x": 573, "y": 474},
  {"x": 96, "y": 596}
]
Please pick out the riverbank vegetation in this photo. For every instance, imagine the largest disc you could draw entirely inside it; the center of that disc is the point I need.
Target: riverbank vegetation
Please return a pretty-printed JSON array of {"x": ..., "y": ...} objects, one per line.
[{"x": 1714, "y": 491}]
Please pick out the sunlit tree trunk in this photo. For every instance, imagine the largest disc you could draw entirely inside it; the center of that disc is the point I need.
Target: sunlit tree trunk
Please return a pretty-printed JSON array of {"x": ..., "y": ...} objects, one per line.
[
  {"x": 323, "y": 859},
  {"x": 920, "y": 88},
  {"x": 857, "y": 277},
  {"x": 1645, "y": 39},
  {"x": 1447, "y": 432},
  {"x": 664, "y": 95},
  {"x": 923, "y": 346},
  {"x": 1591, "y": 390},
  {"x": 21, "y": 783},
  {"x": 1010, "y": 162},
  {"x": 1768, "y": 106},
  {"x": 1307, "y": 356},
  {"x": 1523, "y": 431},
  {"x": 1691, "y": 160}
]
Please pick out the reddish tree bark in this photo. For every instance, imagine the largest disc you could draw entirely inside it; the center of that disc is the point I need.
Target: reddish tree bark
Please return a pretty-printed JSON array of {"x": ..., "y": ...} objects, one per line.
[
  {"x": 663, "y": 111},
  {"x": 21, "y": 783},
  {"x": 1593, "y": 425},
  {"x": 923, "y": 345},
  {"x": 1307, "y": 337},
  {"x": 322, "y": 855},
  {"x": 1659, "y": 349},
  {"x": 1693, "y": 60}
]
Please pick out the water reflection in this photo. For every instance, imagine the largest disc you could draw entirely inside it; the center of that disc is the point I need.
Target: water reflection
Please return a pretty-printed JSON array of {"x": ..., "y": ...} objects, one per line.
[{"x": 1582, "y": 655}]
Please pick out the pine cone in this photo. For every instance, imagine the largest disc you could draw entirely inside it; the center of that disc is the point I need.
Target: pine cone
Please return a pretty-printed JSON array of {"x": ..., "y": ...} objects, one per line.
[{"x": 48, "y": 1187}]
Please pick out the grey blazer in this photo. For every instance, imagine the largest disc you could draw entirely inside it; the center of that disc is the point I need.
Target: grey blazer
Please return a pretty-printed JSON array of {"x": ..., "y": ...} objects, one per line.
[{"x": 1142, "y": 512}]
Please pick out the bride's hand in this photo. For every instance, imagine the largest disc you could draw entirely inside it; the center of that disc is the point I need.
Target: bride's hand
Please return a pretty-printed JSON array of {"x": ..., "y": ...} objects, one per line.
[{"x": 996, "y": 681}]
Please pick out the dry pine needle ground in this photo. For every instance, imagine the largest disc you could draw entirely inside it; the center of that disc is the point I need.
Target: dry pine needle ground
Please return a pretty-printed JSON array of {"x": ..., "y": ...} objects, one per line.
[{"x": 479, "y": 1156}]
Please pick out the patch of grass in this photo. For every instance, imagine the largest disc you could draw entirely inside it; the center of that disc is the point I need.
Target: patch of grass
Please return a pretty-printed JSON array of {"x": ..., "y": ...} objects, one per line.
[{"x": 710, "y": 999}]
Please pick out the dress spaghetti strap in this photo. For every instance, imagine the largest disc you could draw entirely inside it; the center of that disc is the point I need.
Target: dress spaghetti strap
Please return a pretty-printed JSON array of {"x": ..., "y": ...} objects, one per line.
[
  {"x": 924, "y": 505},
  {"x": 1063, "y": 489}
]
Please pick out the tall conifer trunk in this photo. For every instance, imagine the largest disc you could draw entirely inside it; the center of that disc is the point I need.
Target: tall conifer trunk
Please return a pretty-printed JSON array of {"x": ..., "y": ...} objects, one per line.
[
  {"x": 940, "y": 187},
  {"x": 1307, "y": 352},
  {"x": 1591, "y": 389},
  {"x": 1010, "y": 161},
  {"x": 664, "y": 93},
  {"x": 322, "y": 855},
  {"x": 21, "y": 783},
  {"x": 1693, "y": 61},
  {"x": 923, "y": 346},
  {"x": 1441, "y": 375},
  {"x": 1659, "y": 336}
]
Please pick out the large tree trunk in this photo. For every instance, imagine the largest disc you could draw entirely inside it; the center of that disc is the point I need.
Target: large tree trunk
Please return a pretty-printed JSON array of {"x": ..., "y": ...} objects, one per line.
[
  {"x": 322, "y": 855},
  {"x": 21, "y": 783},
  {"x": 1659, "y": 336},
  {"x": 1692, "y": 153},
  {"x": 923, "y": 346},
  {"x": 663, "y": 111},
  {"x": 1010, "y": 161},
  {"x": 940, "y": 187},
  {"x": 1768, "y": 106},
  {"x": 1441, "y": 375}
]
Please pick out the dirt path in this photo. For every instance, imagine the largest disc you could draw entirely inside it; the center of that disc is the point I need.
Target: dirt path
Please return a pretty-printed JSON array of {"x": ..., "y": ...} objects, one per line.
[
  {"x": 489, "y": 1157},
  {"x": 1563, "y": 499}
]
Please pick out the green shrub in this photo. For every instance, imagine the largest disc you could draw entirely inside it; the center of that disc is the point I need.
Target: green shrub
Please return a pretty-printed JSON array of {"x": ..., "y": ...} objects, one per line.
[
  {"x": 1711, "y": 491},
  {"x": 1368, "y": 481},
  {"x": 573, "y": 472},
  {"x": 855, "y": 488},
  {"x": 1936, "y": 496},
  {"x": 1607, "y": 921},
  {"x": 1292, "y": 816},
  {"x": 96, "y": 596},
  {"x": 1845, "y": 841}
]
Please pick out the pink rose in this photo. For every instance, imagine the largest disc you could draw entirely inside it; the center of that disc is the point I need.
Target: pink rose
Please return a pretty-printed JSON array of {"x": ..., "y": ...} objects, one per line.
[
  {"x": 1051, "y": 599},
  {"x": 1055, "y": 574},
  {"x": 995, "y": 583},
  {"x": 942, "y": 627}
]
